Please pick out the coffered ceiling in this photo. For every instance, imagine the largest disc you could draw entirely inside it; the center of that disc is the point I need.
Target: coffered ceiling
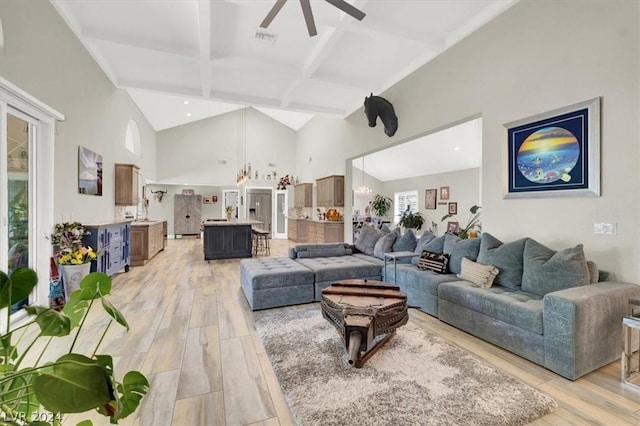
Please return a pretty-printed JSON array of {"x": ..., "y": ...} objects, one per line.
[{"x": 206, "y": 52}]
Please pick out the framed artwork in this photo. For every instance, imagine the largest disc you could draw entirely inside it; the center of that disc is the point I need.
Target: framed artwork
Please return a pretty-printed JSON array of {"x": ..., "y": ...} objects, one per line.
[
  {"x": 214, "y": 199},
  {"x": 452, "y": 227},
  {"x": 430, "y": 198},
  {"x": 89, "y": 172},
  {"x": 188, "y": 192},
  {"x": 555, "y": 154},
  {"x": 207, "y": 200},
  {"x": 453, "y": 208},
  {"x": 444, "y": 192}
]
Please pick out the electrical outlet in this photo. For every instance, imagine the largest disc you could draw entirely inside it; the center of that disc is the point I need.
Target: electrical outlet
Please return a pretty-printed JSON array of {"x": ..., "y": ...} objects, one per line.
[{"x": 605, "y": 228}]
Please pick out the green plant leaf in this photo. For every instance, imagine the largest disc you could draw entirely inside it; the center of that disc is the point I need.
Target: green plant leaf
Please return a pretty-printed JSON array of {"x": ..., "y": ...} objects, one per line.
[
  {"x": 75, "y": 308},
  {"x": 8, "y": 351},
  {"x": 133, "y": 387},
  {"x": 85, "y": 423},
  {"x": 80, "y": 384},
  {"x": 21, "y": 283},
  {"x": 52, "y": 323},
  {"x": 114, "y": 313},
  {"x": 16, "y": 391},
  {"x": 94, "y": 284},
  {"x": 112, "y": 407}
]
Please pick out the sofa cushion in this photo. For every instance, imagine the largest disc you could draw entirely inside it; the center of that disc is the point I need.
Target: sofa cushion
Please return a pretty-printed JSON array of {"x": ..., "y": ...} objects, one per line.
[
  {"x": 425, "y": 238},
  {"x": 546, "y": 270},
  {"x": 514, "y": 307},
  {"x": 272, "y": 272},
  {"x": 436, "y": 245},
  {"x": 367, "y": 239},
  {"x": 406, "y": 242},
  {"x": 384, "y": 245},
  {"x": 458, "y": 248},
  {"x": 437, "y": 262},
  {"x": 506, "y": 257},
  {"x": 340, "y": 268},
  {"x": 477, "y": 273}
]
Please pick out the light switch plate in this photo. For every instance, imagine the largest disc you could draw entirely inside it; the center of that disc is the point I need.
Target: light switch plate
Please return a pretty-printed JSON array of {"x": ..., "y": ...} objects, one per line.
[{"x": 605, "y": 228}]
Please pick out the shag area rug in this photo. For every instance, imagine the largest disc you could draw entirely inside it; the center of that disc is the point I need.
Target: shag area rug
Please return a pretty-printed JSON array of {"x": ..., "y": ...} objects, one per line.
[{"x": 415, "y": 379}]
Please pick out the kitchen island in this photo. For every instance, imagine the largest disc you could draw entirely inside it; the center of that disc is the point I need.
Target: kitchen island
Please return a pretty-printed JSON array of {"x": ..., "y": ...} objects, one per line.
[{"x": 227, "y": 240}]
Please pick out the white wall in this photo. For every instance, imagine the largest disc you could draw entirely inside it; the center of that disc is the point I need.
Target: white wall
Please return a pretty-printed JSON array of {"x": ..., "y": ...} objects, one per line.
[
  {"x": 192, "y": 152},
  {"x": 42, "y": 56},
  {"x": 535, "y": 57},
  {"x": 464, "y": 186}
]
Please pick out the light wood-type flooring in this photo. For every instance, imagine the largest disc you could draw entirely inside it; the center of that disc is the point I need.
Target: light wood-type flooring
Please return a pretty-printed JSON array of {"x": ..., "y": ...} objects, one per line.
[{"x": 192, "y": 334}]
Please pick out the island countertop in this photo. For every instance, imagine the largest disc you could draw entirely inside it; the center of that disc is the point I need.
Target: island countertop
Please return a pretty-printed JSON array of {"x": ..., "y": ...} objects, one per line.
[{"x": 145, "y": 222}]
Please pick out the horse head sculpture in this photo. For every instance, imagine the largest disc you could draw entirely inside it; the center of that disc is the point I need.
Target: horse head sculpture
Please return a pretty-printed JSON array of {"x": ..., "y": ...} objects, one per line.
[
  {"x": 159, "y": 195},
  {"x": 377, "y": 106}
]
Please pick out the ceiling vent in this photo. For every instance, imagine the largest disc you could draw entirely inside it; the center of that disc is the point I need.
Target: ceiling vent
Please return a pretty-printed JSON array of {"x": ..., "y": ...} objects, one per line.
[{"x": 266, "y": 36}]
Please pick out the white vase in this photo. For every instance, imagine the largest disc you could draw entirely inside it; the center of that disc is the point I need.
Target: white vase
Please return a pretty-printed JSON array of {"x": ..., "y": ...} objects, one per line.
[{"x": 72, "y": 275}]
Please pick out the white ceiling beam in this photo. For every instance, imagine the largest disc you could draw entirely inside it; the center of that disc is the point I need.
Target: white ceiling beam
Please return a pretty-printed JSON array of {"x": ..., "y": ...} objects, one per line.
[
  {"x": 160, "y": 88},
  {"x": 204, "y": 42},
  {"x": 146, "y": 45},
  {"x": 384, "y": 29}
]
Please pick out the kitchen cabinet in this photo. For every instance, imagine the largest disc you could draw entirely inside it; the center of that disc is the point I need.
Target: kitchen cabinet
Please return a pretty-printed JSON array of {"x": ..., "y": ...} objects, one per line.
[
  {"x": 127, "y": 193},
  {"x": 147, "y": 240},
  {"x": 315, "y": 232},
  {"x": 303, "y": 195},
  {"x": 111, "y": 241},
  {"x": 299, "y": 230},
  {"x": 330, "y": 191}
]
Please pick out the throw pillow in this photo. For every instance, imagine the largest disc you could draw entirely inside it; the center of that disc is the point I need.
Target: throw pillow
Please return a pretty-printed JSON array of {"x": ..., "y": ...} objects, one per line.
[
  {"x": 384, "y": 245},
  {"x": 458, "y": 248},
  {"x": 435, "y": 246},
  {"x": 367, "y": 239},
  {"x": 407, "y": 242},
  {"x": 477, "y": 273},
  {"x": 547, "y": 270},
  {"x": 434, "y": 261},
  {"x": 506, "y": 257},
  {"x": 594, "y": 273}
]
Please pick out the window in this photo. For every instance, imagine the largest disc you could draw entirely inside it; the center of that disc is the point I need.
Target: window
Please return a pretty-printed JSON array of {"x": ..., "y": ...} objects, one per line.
[
  {"x": 402, "y": 200},
  {"x": 132, "y": 138}
]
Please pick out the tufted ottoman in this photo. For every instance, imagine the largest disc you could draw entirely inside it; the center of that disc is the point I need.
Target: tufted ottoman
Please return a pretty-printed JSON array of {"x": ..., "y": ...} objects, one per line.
[
  {"x": 328, "y": 270},
  {"x": 270, "y": 282}
]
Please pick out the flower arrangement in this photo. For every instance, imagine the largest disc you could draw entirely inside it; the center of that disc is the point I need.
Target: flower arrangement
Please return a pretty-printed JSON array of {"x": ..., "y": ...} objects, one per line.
[
  {"x": 67, "y": 237},
  {"x": 229, "y": 209}
]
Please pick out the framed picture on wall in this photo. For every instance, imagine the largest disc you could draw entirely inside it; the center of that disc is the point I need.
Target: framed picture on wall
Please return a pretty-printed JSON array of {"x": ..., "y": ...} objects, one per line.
[
  {"x": 452, "y": 227},
  {"x": 89, "y": 172},
  {"x": 430, "y": 198},
  {"x": 444, "y": 192},
  {"x": 214, "y": 199},
  {"x": 555, "y": 154},
  {"x": 207, "y": 200},
  {"x": 453, "y": 208}
]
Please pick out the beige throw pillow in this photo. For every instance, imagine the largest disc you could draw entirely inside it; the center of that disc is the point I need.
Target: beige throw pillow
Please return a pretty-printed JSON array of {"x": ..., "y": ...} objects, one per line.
[{"x": 477, "y": 273}]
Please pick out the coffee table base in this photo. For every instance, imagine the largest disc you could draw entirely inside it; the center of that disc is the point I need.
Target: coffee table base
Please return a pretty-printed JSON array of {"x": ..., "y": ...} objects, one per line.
[{"x": 366, "y": 315}]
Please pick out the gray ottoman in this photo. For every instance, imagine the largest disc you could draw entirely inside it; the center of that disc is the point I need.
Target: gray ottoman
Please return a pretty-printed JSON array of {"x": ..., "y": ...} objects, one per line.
[
  {"x": 328, "y": 270},
  {"x": 270, "y": 282}
]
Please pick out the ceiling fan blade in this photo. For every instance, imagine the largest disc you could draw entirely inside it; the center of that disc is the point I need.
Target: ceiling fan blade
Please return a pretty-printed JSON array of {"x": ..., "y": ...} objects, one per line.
[
  {"x": 348, "y": 9},
  {"x": 272, "y": 13},
  {"x": 308, "y": 17}
]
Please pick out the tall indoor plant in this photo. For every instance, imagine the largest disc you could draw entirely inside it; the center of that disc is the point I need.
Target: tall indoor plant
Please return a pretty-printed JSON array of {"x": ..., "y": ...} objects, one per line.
[
  {"x": 411, "y": 220},
  {"x": 380, "y": 205},
  {"x": 474, "y": 221},
  {"x": 74, "y": 382}
]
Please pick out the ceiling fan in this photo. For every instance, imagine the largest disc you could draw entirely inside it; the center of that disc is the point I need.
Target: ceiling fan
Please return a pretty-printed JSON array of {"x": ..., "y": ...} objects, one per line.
[{"x": 308, "y": 14}]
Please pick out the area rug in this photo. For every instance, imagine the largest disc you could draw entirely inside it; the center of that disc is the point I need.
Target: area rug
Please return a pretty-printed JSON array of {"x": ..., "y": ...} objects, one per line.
[{"x": 417, "y": 378}]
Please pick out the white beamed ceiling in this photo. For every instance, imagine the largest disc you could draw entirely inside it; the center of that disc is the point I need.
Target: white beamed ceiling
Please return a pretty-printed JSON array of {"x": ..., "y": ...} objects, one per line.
[{"x": 165, "y": 52}]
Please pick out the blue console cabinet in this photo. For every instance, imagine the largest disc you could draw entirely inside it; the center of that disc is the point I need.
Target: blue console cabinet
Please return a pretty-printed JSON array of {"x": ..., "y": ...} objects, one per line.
[{"x": 112, "y": 241}]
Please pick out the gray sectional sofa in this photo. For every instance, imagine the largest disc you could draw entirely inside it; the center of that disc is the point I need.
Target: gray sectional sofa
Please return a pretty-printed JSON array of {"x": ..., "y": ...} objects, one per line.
[{"x": 553, "y": 308}]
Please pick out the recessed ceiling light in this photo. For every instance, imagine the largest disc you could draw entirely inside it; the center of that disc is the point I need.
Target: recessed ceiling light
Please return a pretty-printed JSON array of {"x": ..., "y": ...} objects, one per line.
[
  {"x": 457, "y": 148},
  {"x": 186, "y": 102},
  {"x": 188, "y": 114}
]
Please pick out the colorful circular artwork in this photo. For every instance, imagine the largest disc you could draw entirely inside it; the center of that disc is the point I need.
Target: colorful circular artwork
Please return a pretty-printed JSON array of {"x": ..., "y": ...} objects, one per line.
[{"x": 548, "y": 155}]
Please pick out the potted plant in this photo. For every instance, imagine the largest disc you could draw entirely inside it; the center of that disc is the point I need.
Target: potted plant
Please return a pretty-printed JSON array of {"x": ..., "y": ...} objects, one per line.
[
  {"x": 73, "y": 256},
  {"x": 73, "y": 383},
  {"x": 411, "y": 220},
  {"x": 229, "y": 210},
  {"x": 474, "y": 221},
  {"x": 380, "y": 205}
]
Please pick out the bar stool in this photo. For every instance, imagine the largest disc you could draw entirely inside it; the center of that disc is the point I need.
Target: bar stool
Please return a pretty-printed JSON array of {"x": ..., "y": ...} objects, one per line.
[{"x": 260, "y": 241}]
